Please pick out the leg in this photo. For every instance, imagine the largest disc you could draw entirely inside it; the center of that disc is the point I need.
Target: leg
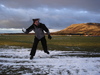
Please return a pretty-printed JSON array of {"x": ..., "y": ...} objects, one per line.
[
  {"x": 44, "y": 45},
  {"x": 33, "y": 51}
]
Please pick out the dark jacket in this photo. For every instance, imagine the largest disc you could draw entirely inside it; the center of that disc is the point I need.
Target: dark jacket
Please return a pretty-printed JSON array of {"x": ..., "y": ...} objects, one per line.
[{"x": 39, "y": 30}]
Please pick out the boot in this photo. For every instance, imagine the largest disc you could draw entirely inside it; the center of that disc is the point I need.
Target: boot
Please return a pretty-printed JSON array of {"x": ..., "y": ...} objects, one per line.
[
  {"x": 47, "y": 52},
  {"x": 31, "y": 57}
]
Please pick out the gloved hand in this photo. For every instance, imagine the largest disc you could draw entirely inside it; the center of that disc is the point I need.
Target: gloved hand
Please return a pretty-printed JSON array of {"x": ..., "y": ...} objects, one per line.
[
  {"x": 49, "y": 37},
  {"x": 24, "y": 30}
]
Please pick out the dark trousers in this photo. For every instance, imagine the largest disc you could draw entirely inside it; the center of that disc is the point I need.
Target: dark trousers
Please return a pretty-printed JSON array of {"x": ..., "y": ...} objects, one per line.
[{"x": 36, "y": 41}]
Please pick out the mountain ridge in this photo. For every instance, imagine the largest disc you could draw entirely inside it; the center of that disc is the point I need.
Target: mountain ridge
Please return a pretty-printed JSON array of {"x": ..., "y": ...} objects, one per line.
[{"x": 81, "y": 29}]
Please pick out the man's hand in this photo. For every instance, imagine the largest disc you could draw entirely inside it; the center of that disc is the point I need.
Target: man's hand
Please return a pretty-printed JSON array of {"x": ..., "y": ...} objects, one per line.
[
  {"x": 49, "y": 37},
  {"x": 24, "y": 30}
]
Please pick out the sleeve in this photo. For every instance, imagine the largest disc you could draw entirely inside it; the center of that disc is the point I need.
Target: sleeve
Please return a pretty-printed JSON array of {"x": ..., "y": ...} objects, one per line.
[
  {"x": 29, "y": 29},
  {"x": 45, "y": 29}
]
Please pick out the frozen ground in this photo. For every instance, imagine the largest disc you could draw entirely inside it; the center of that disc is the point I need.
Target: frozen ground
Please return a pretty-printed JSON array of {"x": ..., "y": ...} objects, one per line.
[{"x": 17, "y": 62}]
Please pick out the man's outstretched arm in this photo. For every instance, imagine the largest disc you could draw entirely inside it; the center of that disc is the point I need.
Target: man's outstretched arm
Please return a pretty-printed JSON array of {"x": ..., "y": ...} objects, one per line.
[{"x": 26, "y": 31}]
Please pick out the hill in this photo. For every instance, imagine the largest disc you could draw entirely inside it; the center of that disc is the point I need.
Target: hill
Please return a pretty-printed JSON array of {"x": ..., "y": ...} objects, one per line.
[{"x": 81, "y": 29}]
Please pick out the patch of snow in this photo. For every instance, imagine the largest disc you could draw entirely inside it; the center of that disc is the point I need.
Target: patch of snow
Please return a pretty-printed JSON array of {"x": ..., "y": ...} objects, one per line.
[{"x": 57, "y": 63}]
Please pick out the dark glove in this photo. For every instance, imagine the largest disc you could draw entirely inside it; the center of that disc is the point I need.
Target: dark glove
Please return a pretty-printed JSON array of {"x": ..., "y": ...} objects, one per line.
[{"x": 49, "y": 37}]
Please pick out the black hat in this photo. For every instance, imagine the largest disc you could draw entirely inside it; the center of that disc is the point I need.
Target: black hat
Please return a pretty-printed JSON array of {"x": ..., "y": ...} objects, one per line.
[{"x": 35, "y": 19}]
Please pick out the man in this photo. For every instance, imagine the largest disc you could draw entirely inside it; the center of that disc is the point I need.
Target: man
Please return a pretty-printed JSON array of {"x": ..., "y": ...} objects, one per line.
[{"x": 39, "y": 29}]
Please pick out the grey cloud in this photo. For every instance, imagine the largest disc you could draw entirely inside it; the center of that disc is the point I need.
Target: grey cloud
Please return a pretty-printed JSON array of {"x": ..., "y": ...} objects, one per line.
[
  {"x": 54, "y": 13},
  {"x": 14, "y": 24},
  {"x": 53, "y": 18},
  {"x": 88, "y": 5}
]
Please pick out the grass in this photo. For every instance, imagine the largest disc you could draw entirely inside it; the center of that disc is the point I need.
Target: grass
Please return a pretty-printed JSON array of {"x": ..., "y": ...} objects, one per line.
[
  {"x": 66, "y": 43},
  {"x": 58, "y": 42},
  {"x": 82, "y": 29}
]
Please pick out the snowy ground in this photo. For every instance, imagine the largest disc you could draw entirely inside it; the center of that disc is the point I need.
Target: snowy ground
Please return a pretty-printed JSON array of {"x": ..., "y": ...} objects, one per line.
[{"x": 17, "y": 62}]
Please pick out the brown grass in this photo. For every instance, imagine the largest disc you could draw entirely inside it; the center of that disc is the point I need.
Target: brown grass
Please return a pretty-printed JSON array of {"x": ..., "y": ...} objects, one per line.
[{"x": 83, "y": 28}]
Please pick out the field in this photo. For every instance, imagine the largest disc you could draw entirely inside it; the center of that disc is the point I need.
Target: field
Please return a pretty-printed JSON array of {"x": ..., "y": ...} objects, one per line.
[
  {"x": 64, "y": 43},
  {"x": 69, "y": 55}
]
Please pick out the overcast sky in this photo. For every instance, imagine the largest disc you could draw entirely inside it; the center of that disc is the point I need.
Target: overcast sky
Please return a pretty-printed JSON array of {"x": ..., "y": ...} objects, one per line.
[{"x": 56, "y": 14}]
